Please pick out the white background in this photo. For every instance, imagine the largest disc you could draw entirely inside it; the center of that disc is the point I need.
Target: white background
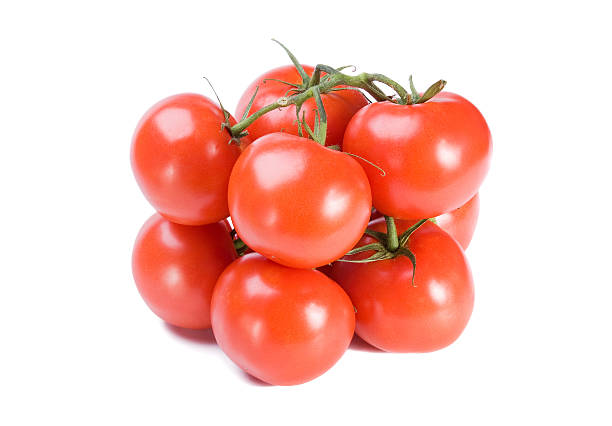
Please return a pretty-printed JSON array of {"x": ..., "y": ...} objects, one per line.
[{"x": 80, "y": 347}]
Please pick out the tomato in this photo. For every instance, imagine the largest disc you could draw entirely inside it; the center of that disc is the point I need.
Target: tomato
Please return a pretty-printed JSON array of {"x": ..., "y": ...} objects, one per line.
[
  {"x": 395, "y": 316},
  {"x": 176, "y": 267},
  {"x": 435, "y": 154},
  {"x": 297, "y": 202},
  {"x": 182, "y": 159},
  {"x": 282, "y": 325},
  {"x": 339, "y": 106},
  {"x": 460, "y": 223}
]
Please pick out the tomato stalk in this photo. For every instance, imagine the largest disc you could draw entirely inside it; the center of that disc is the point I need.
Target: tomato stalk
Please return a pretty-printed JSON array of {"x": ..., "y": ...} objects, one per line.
[
  {"x": 330, "y": 83},
  {"x": 388, "y": 245},
  {"x": 392, "y": 240},
  {"x": 320, "y": 84},
  {"x": 239, "y": 245},
  {"x": 326, "y": 85},
  {"x": 317, "y": 84},
  {"x": 320, "y": 128},
  {"x": 431, "y": 91}
]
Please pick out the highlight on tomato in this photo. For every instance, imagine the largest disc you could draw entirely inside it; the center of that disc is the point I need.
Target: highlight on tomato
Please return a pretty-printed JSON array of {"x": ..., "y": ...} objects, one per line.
[
  {"x": 296, "y": 202},
  {"x": 175, "y": 268},
  {"x": 182, "y": 159},
  {"x": 284, "y": 326}
]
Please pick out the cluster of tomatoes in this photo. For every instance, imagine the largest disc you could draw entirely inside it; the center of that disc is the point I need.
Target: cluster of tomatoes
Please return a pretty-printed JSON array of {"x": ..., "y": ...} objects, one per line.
[{"x": 288, "y": 245}]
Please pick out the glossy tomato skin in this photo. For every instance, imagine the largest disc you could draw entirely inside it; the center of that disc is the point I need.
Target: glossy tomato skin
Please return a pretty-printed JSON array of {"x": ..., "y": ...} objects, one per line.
[
  {"x": 182, "y": 160},
  {"x": 339, "y": 106},
  {"x": 435, "y": 154},
  {"x": 175, "y": 268},
  {"x": 461, "y": 223},
  {"x": 297, "y": 202},
  {"x": 282, "y": 325},
  {"x": 395, "y": 316}
]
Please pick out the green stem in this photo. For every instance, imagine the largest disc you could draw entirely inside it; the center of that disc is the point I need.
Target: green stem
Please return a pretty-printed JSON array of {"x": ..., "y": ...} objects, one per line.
[
  {"x": 241, "y": 126},
  {"x": 403, "y": 94},
  {"x": 363, "y": 81},
  {"x": 392, "y": 240},
  {"x": 413, "y": 90}
]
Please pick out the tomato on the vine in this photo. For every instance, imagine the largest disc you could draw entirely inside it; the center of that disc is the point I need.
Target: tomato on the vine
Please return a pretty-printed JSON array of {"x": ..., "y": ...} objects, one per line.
[
  {"x": 182, "y": 159},
  {"x": 297, "y": 202},
  {"x": 460, "y": 223},
  {"x": 396, "y": 316},
  {"x": 282, "y": 325},
  {"x": 339, "y": 105},
  {"x": 435, "y": 155},
  {"x": 176, "y": 266}
]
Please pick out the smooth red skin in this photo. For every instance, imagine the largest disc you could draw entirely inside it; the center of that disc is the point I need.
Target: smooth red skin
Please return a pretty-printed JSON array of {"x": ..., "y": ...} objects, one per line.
[
  {"x": 435, "y": 154},
  {"x": 339, "y": 106},
  {"x": 282, "y": 325},
  {"x": 297, "y": 202},
  {"x": 176, "y": 267},
  {"x": 459, "y": 223},
  {"x": 395, "y": 316},
  {"x": 182, "y": 160}
]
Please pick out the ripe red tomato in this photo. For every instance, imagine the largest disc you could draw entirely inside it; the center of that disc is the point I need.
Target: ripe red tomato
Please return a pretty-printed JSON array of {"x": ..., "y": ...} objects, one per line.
[
  {"x": 339, "y": 106},
  {"x": 459, "y": 223},
  {"x": 397, "y": 317},
  {"x": 282, "y": 325},
  {"x": 176, "y": 267},
  {"x": 297, "y": 202},
  {"x": 182, "y": 159},
  {"x": 435, "y": 154}
]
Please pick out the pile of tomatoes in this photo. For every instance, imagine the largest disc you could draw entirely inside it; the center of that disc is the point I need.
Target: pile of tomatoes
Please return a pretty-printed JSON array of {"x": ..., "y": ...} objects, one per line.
[{"x": 285, "y": 244}]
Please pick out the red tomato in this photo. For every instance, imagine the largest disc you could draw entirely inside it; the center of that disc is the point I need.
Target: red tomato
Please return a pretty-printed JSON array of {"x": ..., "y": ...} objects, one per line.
[
  {"x": 395, "y": 316},
  {"x": 339, "y": 106},
  {"x": 459, "y": 223},
  {"x": 282, "y": 325},
  {"x": 176, "y": 267},
  {"x": 182, "y": 159},
  {"x": 435, "y": 154},
  {"x": 297, "y": 202}
]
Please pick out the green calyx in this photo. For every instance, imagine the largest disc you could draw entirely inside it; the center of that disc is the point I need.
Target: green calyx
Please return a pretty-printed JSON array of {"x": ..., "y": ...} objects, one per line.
[
  {"x": 388, "y": 245},
  {"x": 320, "y": 128},
  {"x": 298, "y": 66},
  {"x": 433, "y": 90},
  {"x": 234, "y": 137}
]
